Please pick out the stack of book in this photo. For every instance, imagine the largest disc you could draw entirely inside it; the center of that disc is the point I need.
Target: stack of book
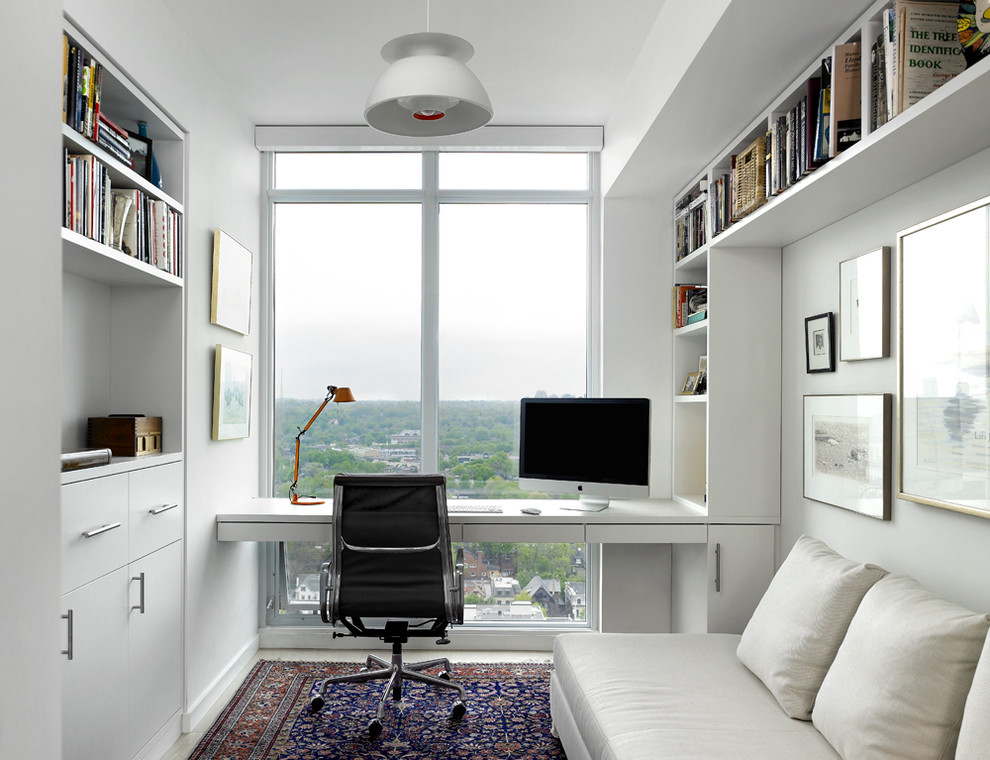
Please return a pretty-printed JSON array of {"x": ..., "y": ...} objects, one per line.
[
  {"x": 123, "y": 218},
  {"x": 82, "y": 95},
  {"x": 690, "y": 304},
  {"x": 690, "y": 223}
]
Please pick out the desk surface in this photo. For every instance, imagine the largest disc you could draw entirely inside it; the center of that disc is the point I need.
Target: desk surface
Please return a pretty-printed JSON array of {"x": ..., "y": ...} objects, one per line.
[{"x": 278, "y": 520}]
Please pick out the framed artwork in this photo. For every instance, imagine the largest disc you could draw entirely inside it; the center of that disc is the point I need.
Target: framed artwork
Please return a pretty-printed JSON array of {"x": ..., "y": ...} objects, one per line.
[
  {"x": 847, "y": 451},
  {"x": 690, "y": 386},
  {"x": 231, "y": 394},
  {"x": 944, "y": 361},
  {"x": 232, "y": 268},
  {"x": 140, "y": 154},
  {"x": 864, "y": 306},
  {"x": 819, "y": 343}
]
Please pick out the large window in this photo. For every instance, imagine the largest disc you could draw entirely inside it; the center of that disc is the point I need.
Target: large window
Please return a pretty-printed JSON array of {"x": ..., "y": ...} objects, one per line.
[{"x": 441, "y": 288}]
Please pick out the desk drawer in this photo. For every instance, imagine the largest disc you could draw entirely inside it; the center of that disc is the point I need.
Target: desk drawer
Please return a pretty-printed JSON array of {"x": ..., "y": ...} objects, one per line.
[
  {"x": 646, "y": 534},
  {"x": 94, "y": 529},
  {"x": 524, "y": 533},
  {"x": 155, "y": 515}
]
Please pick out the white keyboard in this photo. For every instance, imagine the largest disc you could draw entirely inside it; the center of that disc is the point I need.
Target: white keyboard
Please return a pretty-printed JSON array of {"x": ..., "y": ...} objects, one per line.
[{"x": 454, "y": 507}]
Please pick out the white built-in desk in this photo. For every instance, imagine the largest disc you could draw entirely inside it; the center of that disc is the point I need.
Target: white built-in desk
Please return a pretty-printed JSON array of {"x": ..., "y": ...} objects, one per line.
[{"x": 652, "y": 521}]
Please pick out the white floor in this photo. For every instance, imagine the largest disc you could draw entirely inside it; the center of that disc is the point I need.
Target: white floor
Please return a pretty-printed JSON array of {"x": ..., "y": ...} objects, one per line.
[{"x": 187, "y": 743}]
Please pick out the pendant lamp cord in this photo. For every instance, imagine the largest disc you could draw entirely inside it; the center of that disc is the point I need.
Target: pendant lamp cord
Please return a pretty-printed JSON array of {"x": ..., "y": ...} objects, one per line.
[{"x": 427, "y": 15}]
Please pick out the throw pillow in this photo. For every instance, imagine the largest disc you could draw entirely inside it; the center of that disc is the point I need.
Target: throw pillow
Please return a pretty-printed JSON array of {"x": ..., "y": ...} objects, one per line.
[
  {"x": 974, "y": 733},
  {"x": 900, "y": 679},
  {"x": 790, "y": 641}
]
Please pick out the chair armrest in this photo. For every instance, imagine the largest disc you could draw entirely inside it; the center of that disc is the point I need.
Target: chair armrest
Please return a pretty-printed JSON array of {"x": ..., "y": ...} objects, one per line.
[{"x": 325, "y": 603}]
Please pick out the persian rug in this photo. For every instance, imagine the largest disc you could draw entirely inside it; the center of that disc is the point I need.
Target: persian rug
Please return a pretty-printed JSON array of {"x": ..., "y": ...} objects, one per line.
[{"x": 269, "y": 718}]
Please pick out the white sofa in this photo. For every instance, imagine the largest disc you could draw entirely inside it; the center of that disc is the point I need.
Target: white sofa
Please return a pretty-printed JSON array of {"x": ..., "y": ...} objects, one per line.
[{"x": 840, "y": 660}]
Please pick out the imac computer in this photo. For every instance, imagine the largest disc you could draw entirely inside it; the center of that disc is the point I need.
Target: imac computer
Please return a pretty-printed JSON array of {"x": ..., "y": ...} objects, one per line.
[{"x": 598, "y": 448}]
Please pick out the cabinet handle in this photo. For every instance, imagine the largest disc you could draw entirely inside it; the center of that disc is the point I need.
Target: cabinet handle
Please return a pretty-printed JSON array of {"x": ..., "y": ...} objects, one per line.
[
  {"x": 68, "y": 650},
  {"x": 163, "y": 508},
  {"x": 102, "y": 529},
  {"x": 718, "y": 567},
  {"x": 140, "y": 606}
]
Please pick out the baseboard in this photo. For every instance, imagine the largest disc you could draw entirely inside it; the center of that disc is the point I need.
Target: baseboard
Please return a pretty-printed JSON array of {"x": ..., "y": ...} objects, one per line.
[
  {"x": 198, "y": 710},
  {"x": 163, "y": 740},
  {"x": 307, "y": 637}
]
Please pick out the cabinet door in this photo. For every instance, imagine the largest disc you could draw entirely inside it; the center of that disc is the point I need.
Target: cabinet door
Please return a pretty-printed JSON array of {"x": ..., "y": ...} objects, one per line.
[
  {"x": 94, "y": 681},
  {"x": 154, "y": 651},
  {"x": 740, "y": 566}
]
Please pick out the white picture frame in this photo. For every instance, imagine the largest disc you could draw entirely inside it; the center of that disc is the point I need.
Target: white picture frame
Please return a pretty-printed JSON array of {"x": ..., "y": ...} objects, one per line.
[
  {"x": 233, "y": 265},
  {"x": 847, "y": 452},
  {"x": 233, "y": 372},
  {"x": 864, "y": 306},
  {"x": 944, "y": 362}
]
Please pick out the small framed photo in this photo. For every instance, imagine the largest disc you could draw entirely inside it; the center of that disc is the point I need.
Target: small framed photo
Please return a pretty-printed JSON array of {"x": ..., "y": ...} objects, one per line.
[
  {"x": 232, "y": 269},
  {"x": 819, "y": 343},
  {"x": 864, "y": 306},
  {"x": 231, "y": 394},
  {"x": 140, "y": 154},
  {"x": 847, "y": 452},
  {"x": 690, "y": 386}
]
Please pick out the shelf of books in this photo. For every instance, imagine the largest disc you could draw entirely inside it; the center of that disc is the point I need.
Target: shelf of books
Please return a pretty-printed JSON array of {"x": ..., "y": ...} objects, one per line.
[
  {"x": 846, "y": 132},
  {"x": 123, "y": 164}
]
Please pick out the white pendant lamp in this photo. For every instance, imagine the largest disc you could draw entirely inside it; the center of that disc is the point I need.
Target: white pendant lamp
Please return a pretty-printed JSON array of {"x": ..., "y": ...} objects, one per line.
[{"x": 427, "y": 91}]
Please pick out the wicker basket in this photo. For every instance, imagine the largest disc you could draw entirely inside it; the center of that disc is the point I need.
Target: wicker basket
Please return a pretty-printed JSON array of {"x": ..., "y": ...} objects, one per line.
[{"x": 749, "y": 175}]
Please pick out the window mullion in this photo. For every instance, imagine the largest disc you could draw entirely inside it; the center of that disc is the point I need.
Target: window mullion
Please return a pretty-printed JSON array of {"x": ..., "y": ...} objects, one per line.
[{"x": 430, "y": 440}]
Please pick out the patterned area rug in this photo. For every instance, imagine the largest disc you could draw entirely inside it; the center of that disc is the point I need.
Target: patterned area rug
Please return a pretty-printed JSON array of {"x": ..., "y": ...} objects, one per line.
[{"x": 508, "y": 716}]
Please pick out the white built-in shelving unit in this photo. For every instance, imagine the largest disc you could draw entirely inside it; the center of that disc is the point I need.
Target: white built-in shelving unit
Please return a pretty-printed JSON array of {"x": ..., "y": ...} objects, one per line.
[{"x": 122, "y": 523}]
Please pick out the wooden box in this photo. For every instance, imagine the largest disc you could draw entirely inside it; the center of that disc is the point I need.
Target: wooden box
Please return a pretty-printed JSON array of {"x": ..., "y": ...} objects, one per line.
[{"x": 126, "y": 436}]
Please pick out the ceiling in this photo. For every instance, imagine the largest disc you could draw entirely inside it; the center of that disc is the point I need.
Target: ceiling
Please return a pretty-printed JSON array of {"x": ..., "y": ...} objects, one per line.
[{"x": 293, "y": 62}]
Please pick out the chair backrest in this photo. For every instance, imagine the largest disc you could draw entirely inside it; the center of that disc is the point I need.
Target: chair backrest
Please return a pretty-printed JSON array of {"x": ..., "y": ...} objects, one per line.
[{"x": 392, "y": 556}]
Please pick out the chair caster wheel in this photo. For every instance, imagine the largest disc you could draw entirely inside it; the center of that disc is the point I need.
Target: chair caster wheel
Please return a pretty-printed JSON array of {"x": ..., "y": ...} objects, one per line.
[
  {"x": 316, "y": 703},
  {"x": 374, "y": 728},
  {"x": 459, "y": 709}
]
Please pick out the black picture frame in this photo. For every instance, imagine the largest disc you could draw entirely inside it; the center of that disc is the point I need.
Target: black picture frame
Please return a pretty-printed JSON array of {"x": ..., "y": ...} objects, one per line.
[
  {"x": 819, "y": 343},
  {"x": 140, "y": 154}
]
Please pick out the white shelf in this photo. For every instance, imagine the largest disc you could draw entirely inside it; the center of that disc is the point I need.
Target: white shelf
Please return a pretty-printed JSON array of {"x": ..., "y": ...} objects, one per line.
[
  {"x": 695, "y": 501},
  {"x": 95, "y": 261},
  {"x": 119, "y": 465},
  {"x": 699, "y": 399},
  {"x": 698, "y": 328}
]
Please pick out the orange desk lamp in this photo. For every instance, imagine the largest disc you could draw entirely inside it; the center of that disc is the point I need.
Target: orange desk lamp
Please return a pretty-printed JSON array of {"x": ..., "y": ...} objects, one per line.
[{"x": 340, "y": 396}]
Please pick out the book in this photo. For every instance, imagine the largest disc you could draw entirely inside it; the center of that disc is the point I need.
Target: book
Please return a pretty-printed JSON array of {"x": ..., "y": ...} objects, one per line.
[
  {"x": 846, "y": 107},
  {"x": 682, "y": 298},
  {"x": 129, "y": 227},
  {"x": 928, "y": 50},
  {"x": 824, "y": 113}
]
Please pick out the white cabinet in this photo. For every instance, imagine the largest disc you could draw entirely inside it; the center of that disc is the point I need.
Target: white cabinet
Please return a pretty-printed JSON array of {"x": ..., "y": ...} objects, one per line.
[
  {"x": 740, "y": 566},
  {"x": 122, "y": 600}
]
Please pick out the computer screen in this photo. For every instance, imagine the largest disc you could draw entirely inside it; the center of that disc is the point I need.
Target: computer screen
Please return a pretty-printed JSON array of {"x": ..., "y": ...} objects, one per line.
[{"x": 595, "y": 447}]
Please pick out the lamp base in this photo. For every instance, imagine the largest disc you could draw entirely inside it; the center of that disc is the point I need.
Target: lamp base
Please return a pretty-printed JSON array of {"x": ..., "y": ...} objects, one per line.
[{"x": 296, "y": 500}]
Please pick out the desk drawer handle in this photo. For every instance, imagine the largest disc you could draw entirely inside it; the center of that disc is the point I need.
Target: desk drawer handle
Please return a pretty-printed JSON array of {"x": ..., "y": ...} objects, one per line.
[
  {"x": 98, "y": 531},
  {"x": 68, "y": 650},
  {"x": 163, "y": 508}
]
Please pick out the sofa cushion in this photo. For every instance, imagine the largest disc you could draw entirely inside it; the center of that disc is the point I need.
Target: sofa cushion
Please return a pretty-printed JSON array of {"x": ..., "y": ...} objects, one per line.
[
  {"x": 623, "y": 696},
  {"x": 974, "y": 733},
  {"x": 900, "y": 679},
  {"x": 792, "y": 637}
]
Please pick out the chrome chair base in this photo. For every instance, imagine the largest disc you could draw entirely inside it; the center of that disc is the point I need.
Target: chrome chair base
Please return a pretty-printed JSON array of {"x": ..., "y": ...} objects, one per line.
[{"x": 395, "y": 671}]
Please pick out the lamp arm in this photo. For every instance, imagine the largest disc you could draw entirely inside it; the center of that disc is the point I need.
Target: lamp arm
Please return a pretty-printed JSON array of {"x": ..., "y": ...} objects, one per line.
[{"x": 331, "y": 392}]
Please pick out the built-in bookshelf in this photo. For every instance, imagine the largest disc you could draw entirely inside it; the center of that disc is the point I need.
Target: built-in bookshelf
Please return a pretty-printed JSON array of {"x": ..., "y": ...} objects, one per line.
[
  {"x": 123, "y": 306},
  {"x": 735, "y": 432}
]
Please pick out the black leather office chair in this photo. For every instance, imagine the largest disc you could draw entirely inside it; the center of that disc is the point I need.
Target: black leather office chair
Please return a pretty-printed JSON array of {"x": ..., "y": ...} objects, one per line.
[{"x": 392, "y": 566}]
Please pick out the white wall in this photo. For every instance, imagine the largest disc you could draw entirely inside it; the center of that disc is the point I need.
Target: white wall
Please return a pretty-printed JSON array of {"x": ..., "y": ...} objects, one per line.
[
  {"x": 30, "y": 322},
  {"x": 221, "y": 604},
  {"x": 944, "y": 550}
]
